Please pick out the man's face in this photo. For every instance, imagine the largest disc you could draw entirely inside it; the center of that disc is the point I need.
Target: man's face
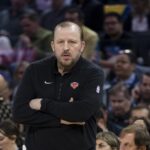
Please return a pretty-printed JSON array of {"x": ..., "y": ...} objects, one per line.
[
  {"x": 112, "y": 26},
  {"x": 123, "y": 66},
  {"x": 119, "y": 104},
  {"x": 145, "y": 87},
  {"x": 127, "y": 142},
  {"x": 28, "y": 26},
  {"x": 67, "y": 45}
]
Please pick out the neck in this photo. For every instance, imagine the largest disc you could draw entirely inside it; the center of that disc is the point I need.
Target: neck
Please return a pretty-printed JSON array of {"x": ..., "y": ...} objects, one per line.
[
  {"x": 12, "y": 147},
  {"x": 62, "y": 70}
]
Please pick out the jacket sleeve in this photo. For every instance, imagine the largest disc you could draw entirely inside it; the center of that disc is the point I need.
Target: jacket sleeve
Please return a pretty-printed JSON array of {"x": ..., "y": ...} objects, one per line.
[
  {"x": 78, "y": 110},
  {"x": 22, "y": 113}
]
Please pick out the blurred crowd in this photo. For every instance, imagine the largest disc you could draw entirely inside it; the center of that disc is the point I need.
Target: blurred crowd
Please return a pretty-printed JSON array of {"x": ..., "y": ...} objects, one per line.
[{"x": 117, "y": 36}]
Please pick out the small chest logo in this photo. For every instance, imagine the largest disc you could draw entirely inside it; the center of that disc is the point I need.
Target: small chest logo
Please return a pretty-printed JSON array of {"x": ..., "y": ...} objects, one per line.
[
  {"x": 98, "y": 89},
  {"x": 74, "y": 85}
]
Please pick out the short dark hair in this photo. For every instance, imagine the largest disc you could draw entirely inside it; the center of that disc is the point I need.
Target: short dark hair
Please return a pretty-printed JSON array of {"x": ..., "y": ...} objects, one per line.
[
  {"x": 113, "y": 14},
  {"x": 120, "y": 87},
  {"x": 68, "y": 24},
  {"x": 130, "y": 54}
]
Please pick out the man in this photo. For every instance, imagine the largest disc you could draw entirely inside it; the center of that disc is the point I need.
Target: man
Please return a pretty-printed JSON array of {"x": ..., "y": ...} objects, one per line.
[
  {"x": 113, "y": 40},
  {"x": 37, "y": 36},
  {"x": 141, "y": 93},
  {"x": 59, "y": 96},
  {"x": 120, "y": 107},
  {"x": 134, "y": 137},
  {"x": 91, "y": 38},
  {"x": 10, "y": 18}
]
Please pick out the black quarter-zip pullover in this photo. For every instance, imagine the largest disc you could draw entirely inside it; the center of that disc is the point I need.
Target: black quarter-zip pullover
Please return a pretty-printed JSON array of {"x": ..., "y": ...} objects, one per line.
[{"x": 74, "y": 97}]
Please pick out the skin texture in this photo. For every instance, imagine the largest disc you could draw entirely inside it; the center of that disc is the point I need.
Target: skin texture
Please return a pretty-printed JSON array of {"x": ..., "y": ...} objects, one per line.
[
  {"x": 127, "y": 142},
  {"x": 67, "y": 46}
]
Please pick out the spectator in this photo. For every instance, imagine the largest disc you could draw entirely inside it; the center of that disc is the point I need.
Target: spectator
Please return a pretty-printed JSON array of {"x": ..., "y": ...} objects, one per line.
[
  {"x": 134, "y": 137},
  {"x": 139, "y": 18},
  {"x": 93, "y": 12},
  {"x": 91, "y": 39},
  {"x": 24, "y": 50},
  {"x": 140, "y": 111},
  {"x": 38, "y": 36},
  {"x": 124, "y": 69},
  {"x": 142, "y": 92},
  {"x": 10, "y": 18},
  {"x": 120, "y": 107},
  {"x": 6, "y": 51},
  {"x": 9, "y": 136},
  {"x": 107, "y": 141},
  {"x": 113, "y": 40},
  {"x": 55, "y": 15}
]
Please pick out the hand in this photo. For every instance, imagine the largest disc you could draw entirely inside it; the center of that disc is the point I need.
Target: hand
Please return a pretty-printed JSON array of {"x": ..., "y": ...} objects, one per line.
[
  {"x": 71, "y": 123},
  {"x": 35, "y": 104}
]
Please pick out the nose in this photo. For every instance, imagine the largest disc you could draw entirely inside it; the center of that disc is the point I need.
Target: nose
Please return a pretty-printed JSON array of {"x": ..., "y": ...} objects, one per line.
[{"x": 66, "y": 46}]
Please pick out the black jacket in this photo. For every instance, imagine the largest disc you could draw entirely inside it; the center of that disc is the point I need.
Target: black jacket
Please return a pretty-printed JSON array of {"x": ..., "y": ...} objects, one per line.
[{"x": 42, "y": 80}]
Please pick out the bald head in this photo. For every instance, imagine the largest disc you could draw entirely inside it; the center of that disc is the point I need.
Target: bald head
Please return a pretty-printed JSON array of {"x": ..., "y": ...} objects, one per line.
[{"x": 68, "y": 24}]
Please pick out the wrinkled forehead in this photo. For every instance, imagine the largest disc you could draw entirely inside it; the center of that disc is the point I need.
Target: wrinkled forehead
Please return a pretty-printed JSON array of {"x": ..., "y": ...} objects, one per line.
[
  {"x": 69, "y": 27},
  {"x": 68, "y": 31}
]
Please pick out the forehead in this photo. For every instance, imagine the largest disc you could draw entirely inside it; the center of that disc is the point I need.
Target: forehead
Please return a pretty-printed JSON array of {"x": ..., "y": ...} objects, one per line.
[
  {"x": 123, "y": 57},
  {"x": 127, "y": 138},
  {"x": 117, "y": 95},
  {"x": 67, "y": 31},
  {"x": 100, "y": 141}
]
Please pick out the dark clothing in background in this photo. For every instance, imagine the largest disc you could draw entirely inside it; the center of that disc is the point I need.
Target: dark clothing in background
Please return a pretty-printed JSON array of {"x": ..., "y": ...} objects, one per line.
[
  {"x": 42, "y": 80},
  {"x": 110, "y": 47},
  {"x": 93, "y": 13},
  {"x": 117, "y": 123}
]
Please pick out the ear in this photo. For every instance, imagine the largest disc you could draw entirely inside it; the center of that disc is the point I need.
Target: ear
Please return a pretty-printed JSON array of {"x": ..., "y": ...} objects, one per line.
[
  {"x": 52, "y": 45},
  {"x": 83, "y": 46}
]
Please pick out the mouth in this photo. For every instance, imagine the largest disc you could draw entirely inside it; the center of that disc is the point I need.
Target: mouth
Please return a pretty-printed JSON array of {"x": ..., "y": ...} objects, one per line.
[{"x": 66, "y": 56}]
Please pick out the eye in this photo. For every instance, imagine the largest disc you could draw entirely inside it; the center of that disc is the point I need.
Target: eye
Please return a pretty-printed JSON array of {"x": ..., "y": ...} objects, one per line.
[{"x": 72, "y": 42}]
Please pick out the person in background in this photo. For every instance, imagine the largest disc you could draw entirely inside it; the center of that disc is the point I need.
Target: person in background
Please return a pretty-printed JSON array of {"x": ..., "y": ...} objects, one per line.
[
  {"x": 10, "y": 138},
  {"x": 107, "y": 141},
  {"x": 112, "y": 41},
  {"x": 141, "y": 93},
  {"x": 53, "y": 98},
  {"x": 39, "y": 37},
  {"x": 91, "y": 38},
  {"x": 119, "y": 100},
  {"x": 139, "y": 18},
  {"x": 10, "y": 18},
  {"x": 134, "y": 137}
]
